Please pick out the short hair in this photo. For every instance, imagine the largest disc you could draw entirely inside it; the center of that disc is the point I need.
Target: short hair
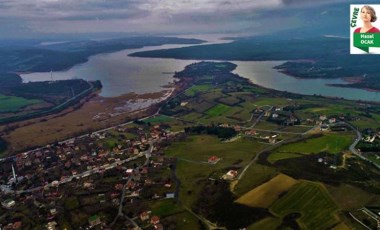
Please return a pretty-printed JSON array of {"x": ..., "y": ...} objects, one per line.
[{"x": 371, "y": 11}]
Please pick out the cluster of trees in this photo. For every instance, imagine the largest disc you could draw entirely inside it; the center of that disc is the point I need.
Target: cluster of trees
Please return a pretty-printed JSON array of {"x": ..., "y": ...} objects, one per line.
[
  {"x": 218, "y": 204},
  {"x": 369, "y": 147},
  {"x": 8, "y": 80},
  {"x": 221, "y": 132},
  {"x": 61, "y": 94}
]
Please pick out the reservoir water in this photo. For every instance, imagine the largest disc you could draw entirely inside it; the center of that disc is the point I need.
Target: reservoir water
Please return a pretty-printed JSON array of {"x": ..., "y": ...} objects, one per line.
[{"x": 121, "y": 74}]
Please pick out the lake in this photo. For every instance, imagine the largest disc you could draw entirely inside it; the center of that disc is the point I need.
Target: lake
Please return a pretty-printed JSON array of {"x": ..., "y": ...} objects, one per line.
[{"x": 121, "y": 74}]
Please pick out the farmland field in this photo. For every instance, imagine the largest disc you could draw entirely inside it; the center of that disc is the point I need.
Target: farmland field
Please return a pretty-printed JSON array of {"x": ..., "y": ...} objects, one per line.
[
  {"x": 332, "y": 143},
  {"x": 159, "y": 119},
  {"x": 14, "y": 104},
  {"x": 211, "y": 145},
  {"x": 280, "y": 156},
  {"x": 312, "y": 201},
  {"x": 229, "y": 100},
  {"x": 217, "y": 110},
  {"x": 254, "y": 176},
  {"x": 264, "y": 195},
  {"x": 272, "y": 101},
  {"x": 193, "y": 169},
  {"x": 197, "y": 88}
]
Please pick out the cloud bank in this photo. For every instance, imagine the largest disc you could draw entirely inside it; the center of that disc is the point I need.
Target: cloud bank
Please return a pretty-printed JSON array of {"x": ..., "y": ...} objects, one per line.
[{"x": 20, "y": 17}]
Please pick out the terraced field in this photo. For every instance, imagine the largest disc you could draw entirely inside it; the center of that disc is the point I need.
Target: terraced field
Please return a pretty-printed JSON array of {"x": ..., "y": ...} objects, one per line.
[
  {"x": 312, "y": 201},
  {"x": 264, "y": 195}
]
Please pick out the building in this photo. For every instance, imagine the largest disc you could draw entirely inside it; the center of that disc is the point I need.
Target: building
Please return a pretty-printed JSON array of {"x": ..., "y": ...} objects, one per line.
[
  {"x": 144, "y": 216},
  {"x": 94, "y": 220},
  {"x": 51, "y": 225},
  {"x": 213, "y": 160},
  {"x": 155, "y": 220},
  {"x": 158, "y": 227},
  {"x": 170, "y": 195},
  {"x": 230, "y": 175},
  {"x": 8, "y": 203}
]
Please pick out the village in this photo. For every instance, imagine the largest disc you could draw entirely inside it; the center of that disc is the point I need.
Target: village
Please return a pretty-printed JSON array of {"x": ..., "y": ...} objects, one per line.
[
  {"x": 112, "y": 178},
  {"x": 104, "y": 169}
]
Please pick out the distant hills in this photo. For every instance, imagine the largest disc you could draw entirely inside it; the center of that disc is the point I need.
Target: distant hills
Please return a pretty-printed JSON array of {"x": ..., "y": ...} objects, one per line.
[{"x": 37, "y": 58}]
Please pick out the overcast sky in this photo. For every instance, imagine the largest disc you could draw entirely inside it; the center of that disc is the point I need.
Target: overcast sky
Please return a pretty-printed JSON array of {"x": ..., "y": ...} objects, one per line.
[{"x": 26, "y": 17}]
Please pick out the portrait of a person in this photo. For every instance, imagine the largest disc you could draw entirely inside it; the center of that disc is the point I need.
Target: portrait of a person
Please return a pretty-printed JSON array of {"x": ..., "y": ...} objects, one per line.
[{"x": 367, "y": 15}]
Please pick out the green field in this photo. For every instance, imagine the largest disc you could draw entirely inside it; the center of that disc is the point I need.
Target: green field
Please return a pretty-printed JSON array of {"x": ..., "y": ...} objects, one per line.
[
  {"x": 14, "y": 104},
  {"x": 193, "y": 169},
  {"x": 211, "y": 145},
  {"x": 332, "y": 143},
  {"x": 272, "y": 101},
  {"x": 192, "y": 91},
  {"x": 164, "y": 208},
  {"x": 366, "y": 122},
  {"x": 330, "y": 110},
  {"x": 312, "y": 201},
  {"x": 276, "y": 156},
  {"x": 254, "y": 176},
  {"x": 217, "y": 110},
  {"x": 229, "y": 100},
  {"x": 158, "y": 119}
]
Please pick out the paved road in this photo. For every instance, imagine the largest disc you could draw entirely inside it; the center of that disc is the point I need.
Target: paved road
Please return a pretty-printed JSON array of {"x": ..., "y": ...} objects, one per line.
[
  {"x": 120, "y": 211},
  {"x": 261, "y": 116},
  {"x": 352, "y": 147}
]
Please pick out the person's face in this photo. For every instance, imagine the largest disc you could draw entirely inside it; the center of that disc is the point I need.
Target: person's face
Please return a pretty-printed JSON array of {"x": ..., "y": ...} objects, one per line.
[{"x": 365, "y": 15}]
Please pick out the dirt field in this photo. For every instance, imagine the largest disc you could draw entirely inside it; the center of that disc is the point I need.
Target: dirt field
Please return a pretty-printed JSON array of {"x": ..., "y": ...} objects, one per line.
[
  {"x": 265, "y": 194},
  {"x": 93, "y": 114}
]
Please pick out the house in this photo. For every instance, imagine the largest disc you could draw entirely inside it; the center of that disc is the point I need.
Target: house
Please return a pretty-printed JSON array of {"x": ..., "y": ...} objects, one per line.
[
  {"x": 237, "y": 128},
  {"x": 230, "y": 175},
  {"x": 144, "y": 216},
  {"x": 144, "y": 170},
  {"x": 119, "y": 187},
  {"x": 332, "y": 120},
  {"x": 53, "y": 211},
  {"x": 170, "y": 195},
  {"x": 129, "y": 172},
  {"x": 131, "y": 185},
  {"x": 12, "y": 226},
  {"x": 213, "y": 160},
  {"x": 155, "y": 220},
  {"x": 94, "y": 220},
  {"x": 322, "y": 117},
  {"x": 148, "y": 182},
  {"x": 324, "y": 127},
  {"x": 158, "y": 227},
  {"x": 51, "y": 225},
  {"x": 8, "y": 203}
]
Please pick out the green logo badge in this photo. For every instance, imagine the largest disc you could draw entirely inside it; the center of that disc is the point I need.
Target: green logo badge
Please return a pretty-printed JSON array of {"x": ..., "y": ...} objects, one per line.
[
  {"x": 364, "y": 29},
  {"x": 364, "y": 41}
]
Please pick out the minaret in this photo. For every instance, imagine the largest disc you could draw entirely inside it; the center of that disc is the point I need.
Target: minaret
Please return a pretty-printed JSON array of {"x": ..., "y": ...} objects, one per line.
[{"x": 14, "y": 174}]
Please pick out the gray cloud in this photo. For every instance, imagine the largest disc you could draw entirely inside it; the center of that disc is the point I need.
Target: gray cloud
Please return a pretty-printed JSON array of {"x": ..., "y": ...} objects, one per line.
[{"x": 140, "y": 16}]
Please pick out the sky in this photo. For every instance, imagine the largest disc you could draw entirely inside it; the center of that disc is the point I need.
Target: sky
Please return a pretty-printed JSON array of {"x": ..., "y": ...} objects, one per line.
[{"x": 28, "y": 18}]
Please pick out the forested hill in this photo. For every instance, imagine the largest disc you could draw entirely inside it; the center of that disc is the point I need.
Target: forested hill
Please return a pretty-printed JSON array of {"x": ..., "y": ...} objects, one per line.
[
  {"x": 65, "y": 55},
  {"x": 318, "y": 57}
]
